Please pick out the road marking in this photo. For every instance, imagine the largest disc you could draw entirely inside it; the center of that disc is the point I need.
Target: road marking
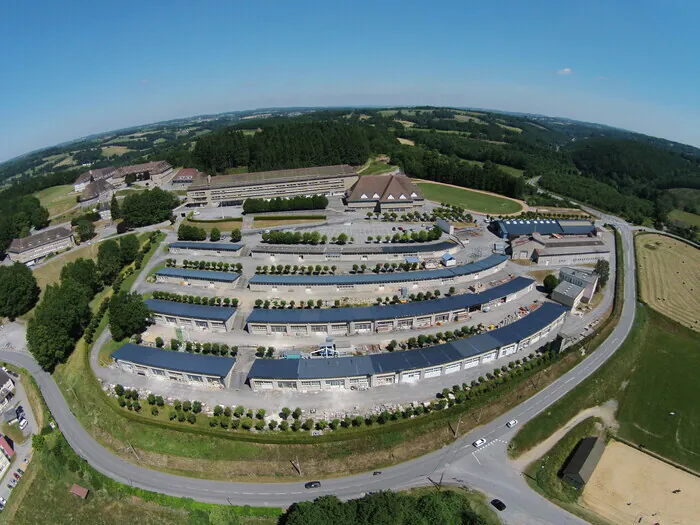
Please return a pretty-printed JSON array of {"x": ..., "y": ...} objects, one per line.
[{"x": 477, "y": 459}]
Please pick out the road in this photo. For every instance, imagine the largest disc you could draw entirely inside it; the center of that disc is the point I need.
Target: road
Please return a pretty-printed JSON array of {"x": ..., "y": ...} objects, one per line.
[{"x": 486, "y": 469}]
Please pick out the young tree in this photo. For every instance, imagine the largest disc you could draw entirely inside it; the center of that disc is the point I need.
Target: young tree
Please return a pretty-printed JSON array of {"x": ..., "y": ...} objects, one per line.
[
  {"x": 215, "y": 235},
  {"x": 128, "y": 315},
  {"x": 109, "y": 260},
  {"x": 85, "y": 230},
  {"x": 602, "y": 268},
  {"x": 236, "y": 235},
  {"x": 114, "y": 208},
  {"x": 129, "y": 247},
  {"x": 18, "y": 290},
  {"x": 550, "y": 283}
]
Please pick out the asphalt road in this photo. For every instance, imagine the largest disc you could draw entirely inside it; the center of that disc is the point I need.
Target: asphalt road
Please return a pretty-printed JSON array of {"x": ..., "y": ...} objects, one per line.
[{"x": 486, "y": 469}]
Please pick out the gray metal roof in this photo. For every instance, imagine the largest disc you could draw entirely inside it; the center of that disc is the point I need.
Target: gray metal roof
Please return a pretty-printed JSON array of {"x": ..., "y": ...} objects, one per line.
[
  {"x": 584, "y": 459},
  {"x": 192, "y": 311},
  {"x": 176, "y": 361},
  {"x": 396, "y": 277},
  {"x": 411, "y": 359},
  {"x": 202, "y": 275},
  {"x": 514, "y": 227},
  {"x": 395, "y": 311},
  {"x": 588, "y": 276},
  {"x": 304, "y": 249},
  {"x": 218, "y": 246},
  {"x": 568, "y": 289}
]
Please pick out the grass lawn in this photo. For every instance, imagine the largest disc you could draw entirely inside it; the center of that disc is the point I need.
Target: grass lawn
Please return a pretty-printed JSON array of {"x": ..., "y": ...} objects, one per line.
[
  {"x": 265, "y": 223},
  {"x": 687, "y": 218},
  {"x": 237, "y": 171},
  {"x": 648, "y": 384},
  {"x": 224, "y": 226},
  {"x": 13, "y": 432},
  {"x": 686, "y": 196},
  {"x": 477, "y": 502},
  {"x": 57, "y": 199},
  {"x": 471, "y": 200},
  {"x": 50, "y": 271}
]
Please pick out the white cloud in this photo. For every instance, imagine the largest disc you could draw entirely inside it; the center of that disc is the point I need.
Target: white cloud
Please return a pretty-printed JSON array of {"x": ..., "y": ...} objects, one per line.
[{"x": 565, "y": 71}]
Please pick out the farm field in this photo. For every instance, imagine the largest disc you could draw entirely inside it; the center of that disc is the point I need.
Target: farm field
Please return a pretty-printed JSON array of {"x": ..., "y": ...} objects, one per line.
[
  {"x": 471, "y": 200},
  {"x": 108, "y": 151},
  {"x": 57, "y": 199},
  {"x": 626, "y": 475},
  {"x": 683, "y": 216},
  {"x": 510, "y": 171},
  {"x": 686, "y": 196},
  {"x": 407, "y": 142},
  {"x": 669, "y": 277}
]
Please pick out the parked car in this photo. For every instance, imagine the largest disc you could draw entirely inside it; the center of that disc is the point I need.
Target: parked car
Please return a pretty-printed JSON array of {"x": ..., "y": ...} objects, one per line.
[
  {"x": 9, "y": 486},
  {"x": 376, "y": 472},
  {"x": 19, "y": 411},
  {"x": 479, "y": 442},
  {"x": 21, "y": 472},
  {"x": 312, "y": 485},
  {"x": 23, "y": 423},
  {"x": 498, "y": 504},
  {"x": 17, "y": 476},
  {"x": 512, "y": 423}
]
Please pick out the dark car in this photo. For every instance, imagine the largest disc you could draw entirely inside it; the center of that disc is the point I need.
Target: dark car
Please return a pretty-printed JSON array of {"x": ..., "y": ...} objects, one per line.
[
  {"x": 498, "y": 504},
  {"x": 21, "y": 472},
  {"x": 376, "y": 472},
  {"x": 312, "y": 485}
]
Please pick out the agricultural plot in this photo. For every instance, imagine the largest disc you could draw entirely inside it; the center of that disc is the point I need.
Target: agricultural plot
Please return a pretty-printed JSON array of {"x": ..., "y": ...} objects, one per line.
[
  {"x": 407, "y": 142},
  {"x": 377, "y": 167},
  {"x": 108, "y": 151},
  {"x": 669, "y": 277},
  {"x": 471, "y": 200},
  {"x": 629, "y": 486}
]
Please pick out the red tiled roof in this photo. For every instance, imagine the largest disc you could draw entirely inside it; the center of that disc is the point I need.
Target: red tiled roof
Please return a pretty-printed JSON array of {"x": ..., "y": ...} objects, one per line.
[
  {"x": 79, "y": 491},
  {"x": 6, "y": 447}
]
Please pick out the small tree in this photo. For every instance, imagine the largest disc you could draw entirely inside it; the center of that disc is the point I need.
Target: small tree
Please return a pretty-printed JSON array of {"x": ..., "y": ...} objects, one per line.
[
  {"x": 285, "y": 412},
  {"x": 191, "y": 418},
  {"x": 215, "y": 235},
  {"x": 260, "y": 414},
  {"x": 550, "y": 283},
  {"x": 159, "y": 342}
]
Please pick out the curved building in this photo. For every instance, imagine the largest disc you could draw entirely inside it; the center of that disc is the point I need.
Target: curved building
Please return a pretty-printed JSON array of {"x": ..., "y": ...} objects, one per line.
[
  {"x": 410, "y": 365},
  {"x": 383, "y": 281},
  {"x": 407, "y": 316}
]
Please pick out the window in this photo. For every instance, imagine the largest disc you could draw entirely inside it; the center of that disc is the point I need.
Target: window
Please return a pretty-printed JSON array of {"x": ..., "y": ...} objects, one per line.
[
  {"x": 171, "y": 320},
  {"x": 335, "y": 382},
  {"x": 201, "y": 324},
  {"x": 339, "y": 327},
  {"x": 298, "y": 328},
  {"x": 319, "y": 328},
  {"x": 287, "y": 384},
  {"x": 363, "y": 326},
  {"x": 311, "y": 384},
  {"x": 277, "y": 329},
  {"x": 198, "y": 379}
]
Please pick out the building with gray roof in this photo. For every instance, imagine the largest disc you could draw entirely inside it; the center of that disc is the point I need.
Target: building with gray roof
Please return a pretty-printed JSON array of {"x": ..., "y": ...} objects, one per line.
[
  {"x": 410, "y": 365},
  {"x": 583, "y": 461},
  {"x": 568, "y": 294},
  {"x": 407, "y": 316},
  {"x": 384, "y": 282},
  {"x": 512, "y": 228},
  {"x": 34, "y": 248},
  {"x": 188, "y": 276},
  {"x": 195, "y": 369},
  {"x": 188, "y": 316},
  {"x": 234, "y": 189},
  {"x": 588, "y": 279},
  {"x": 205, "y": 248}
]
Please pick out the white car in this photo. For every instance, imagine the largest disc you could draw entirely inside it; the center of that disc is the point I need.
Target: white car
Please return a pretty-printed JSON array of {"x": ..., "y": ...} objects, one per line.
[
  {"x": 23, "y": 423},
  {"x": 3, "y": 501},
  {"x": 479, "y": 442},
  {"x": 512, "y": 423}
]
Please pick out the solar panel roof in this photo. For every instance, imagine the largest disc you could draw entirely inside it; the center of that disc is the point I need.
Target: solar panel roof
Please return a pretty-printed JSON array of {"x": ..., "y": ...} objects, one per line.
[
  {"x": 395, "y": 311},
  {"x": 193, "y": 311},
  {"x": 397, "y": 277},
  {"x": 177, "y": 361},
  {"x": 409, "y": 359},
  {"x": 204, "y": 275}
]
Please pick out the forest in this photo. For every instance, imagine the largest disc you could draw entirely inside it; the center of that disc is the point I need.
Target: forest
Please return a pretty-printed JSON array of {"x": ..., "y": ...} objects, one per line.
[{"x": 386, "y": 508}]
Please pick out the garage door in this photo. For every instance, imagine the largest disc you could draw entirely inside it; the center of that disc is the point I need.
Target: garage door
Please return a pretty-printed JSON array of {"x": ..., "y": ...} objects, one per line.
[
  {"x": 451, "y": 369},
  {"x": 471, "y": 363},
  {"x": 433, "y": 372},
  {"x": 410, "y": 376},
  {"x": 489, "y": 357}
]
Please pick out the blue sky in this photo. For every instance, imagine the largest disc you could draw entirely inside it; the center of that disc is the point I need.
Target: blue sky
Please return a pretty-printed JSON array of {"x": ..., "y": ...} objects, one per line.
[{"x": 69, "y": 70}]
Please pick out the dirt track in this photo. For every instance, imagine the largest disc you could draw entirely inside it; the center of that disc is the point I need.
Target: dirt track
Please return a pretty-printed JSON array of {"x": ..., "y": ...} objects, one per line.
[{"x": 629, "y": 486}]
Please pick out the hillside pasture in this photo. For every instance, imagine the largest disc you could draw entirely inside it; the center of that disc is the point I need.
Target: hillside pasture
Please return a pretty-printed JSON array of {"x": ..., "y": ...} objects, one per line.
[
  {"x": 57, "y": 199},
  {"x": 471, "y": 200},
  {"x": 669, "y": 277},
  {"x": 108, "y": 151},
  {"x": 683, "y": 216},
  {"x": 407, "y": 142}
]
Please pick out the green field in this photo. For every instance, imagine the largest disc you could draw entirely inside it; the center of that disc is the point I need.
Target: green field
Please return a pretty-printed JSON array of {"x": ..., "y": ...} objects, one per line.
[
  {"x": 687, "y": 218},
  {"x": 377, "y": 167},
  {"x": 651, "y": 375},
  {"x": 510, "y": 171},
  {"x": 57, "y": 199},
  {"x": 471, "y": 200}
]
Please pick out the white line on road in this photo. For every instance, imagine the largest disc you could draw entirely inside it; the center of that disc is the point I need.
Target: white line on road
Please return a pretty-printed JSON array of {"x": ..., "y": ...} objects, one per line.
[{"x": 477, "y": 459}]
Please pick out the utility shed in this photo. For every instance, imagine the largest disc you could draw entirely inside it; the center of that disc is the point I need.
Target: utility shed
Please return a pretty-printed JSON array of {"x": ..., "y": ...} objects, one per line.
[
  {"x": 79, "y": 491},
  {"x": 583, "y": 461}
]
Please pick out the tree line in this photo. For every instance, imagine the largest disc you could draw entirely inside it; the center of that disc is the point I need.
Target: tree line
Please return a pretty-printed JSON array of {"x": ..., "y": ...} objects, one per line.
[
  {"x": 445, "y": 507},
  {"x": 64, "y": 311},
  {"x": 147, "y": 207},
  {"x": 315, "y": 202}
]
